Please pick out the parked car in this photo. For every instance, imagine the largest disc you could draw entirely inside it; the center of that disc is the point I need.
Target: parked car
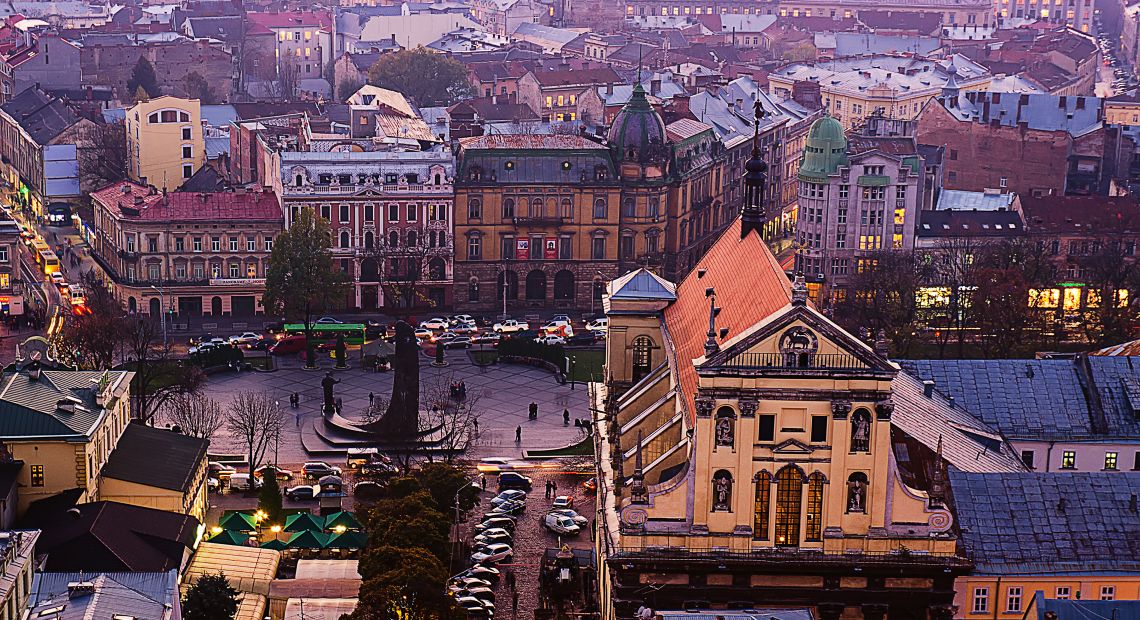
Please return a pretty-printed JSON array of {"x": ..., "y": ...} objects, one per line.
[
  {"x": 498, "y": 552},
  {"x": 289, "y": 345},
  {"x": 328, "y": 320},
  {"x": 443, "y": 338},
  {"x": 475, "y": 606},
  {"x": 560, "y": 525},
  {"x": 553, "y": 326},
  {"x": 483, "y": 593},
  {"x": 498, "y": 515},
  {"x": 200, "y": 339},
  {"x": 464, "y": 329},
  {"x": 550, "y": 339},
  {"x": 219, "y": 470},
  {"x": 460, "y": 342},
  {"x": 514, "y": 480},
  {"x": 282, "y": 473},
  {"x": 379, "y": 468},
  {"x": 510, "y": 495},
  {"x": 302, "y": 493},
  {"x": 317, "y": 469},
  {"x": 578, "y": 519},
  {"x": 486, "y": 573},
  {"x": 563, "y": 501},
  {"x": 598, "y": 325},
  {"x": 244, "y": 482},
  {"x": 510, "y": 508},
  {"x": 561, "y": 317},
  {"x": 500, "y": 521},
  {"x": 491, "y": 339},
  {"x": 510, "y": 326},
  {"x": 246, "y": 338},
  {"x": 459, "y": 319},
  {"x": 583, "y": 339},
  {"x": 488, "y": 539},
  {"x": 368, "y": 490},
  {"x": 435, "y": 323},
  {"x": 470, "y": 581},
  {"x": 423, "y": 333}
]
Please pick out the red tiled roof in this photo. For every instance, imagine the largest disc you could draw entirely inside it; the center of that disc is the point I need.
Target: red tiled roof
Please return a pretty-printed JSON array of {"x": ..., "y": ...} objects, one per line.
[
  {"x": 182, "y": 206},
  {"x": 529, "y": 141},
  {"x": 750, "y": 286},
  {"x": 1081, "y": 215},
  {"x": 260, "y": 23},
  {"x": 574, "y": 77}
]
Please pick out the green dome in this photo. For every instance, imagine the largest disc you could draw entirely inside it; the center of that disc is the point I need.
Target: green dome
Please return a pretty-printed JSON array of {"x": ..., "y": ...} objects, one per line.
[
  {"x": 824, "y": 151},
  {"x": 638, "y": 133}
]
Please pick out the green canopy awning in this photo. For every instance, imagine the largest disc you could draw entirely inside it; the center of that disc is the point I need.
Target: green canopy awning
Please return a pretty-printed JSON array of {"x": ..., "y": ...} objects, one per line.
[
  {"x": 229, "y": 537},
  {"x": 239, "y": 522},
  {"x": 348, "y": 540},
  {"x": 303, "y": 521},
  {"x": 308, "y": 539},
  {"x": 276, "y": 544},
  {"x": 342, "y": 518}
]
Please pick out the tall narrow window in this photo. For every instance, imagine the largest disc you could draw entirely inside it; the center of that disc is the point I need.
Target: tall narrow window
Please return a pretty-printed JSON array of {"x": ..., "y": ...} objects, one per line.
[
  {"x": 814, "y": 514},
  {"x": 762, "y": 506},
  {"x": 789, "y": 496},
  {"x": 642, "y": 357}
]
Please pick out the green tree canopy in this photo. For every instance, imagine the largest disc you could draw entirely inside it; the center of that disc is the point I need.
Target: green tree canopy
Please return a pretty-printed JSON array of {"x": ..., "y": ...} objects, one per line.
[
  {"x": 425, "y": 77},
  {"x": 301, "y": 279},
  {"x": 269, "y": 499},
  {"x": 410, "y": 588},
  {"x": 143, "y": 77},
  {"x": 210, "y": 598}
]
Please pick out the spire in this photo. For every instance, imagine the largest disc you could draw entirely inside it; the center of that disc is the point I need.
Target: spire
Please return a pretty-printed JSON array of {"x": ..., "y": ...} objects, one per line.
[
  {"x": 711, "y": 345},
  {"x": 755, "y": 179}
]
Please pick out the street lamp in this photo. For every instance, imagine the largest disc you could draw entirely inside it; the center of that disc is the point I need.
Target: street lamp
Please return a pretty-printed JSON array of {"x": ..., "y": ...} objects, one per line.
[
  {"x": 161, "y": 311},
  {"x": 451, "y": 557}
]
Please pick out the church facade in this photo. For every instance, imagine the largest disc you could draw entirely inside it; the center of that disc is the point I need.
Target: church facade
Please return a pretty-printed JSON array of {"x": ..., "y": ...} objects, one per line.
[{"x": 755, "y": 455}]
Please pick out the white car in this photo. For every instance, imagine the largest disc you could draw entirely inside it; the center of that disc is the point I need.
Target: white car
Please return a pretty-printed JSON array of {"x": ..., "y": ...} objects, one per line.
[
  {"x": 424, "y": 334},
  {"x": 464, "y": 328},
  {"x": 560, "y": 525},
  {"x": 57, "y": 278},
  {"x": 456, "y": 319},
  {"x": 554, "y": 326},
  {"x": 563, "y": 501},
  {"x": 246, "y": 338},
  {"x": 510, "y": 326},
  {"x": 561, "y": 317},
  {"x": 328, "y": 320},
  {"x": 445, "y": 337},
  {"x": 598, "y": 325},
  {"x": 497, "y": 552},
  {"x": 435, "y": 323},
  {"x": 550, "y": 339},
  {"x": 578, "y": 519}
]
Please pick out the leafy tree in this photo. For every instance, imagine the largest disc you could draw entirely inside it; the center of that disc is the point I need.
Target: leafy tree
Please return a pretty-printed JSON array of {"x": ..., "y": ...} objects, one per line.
[
  {"x": 159, "y": 376},
  {"x": 1112, "y": 277},
  {"x": 443, "y": 482},
  {"x": 143, "y": 77},
  {"x": 425, "y": 77},
  {"x": 301, "y": 278},
  {"x": 412, "y": 521},
  {"x": 346, "y": 89},
  {"x": 269, "y": 499},
  {"x": 198, "y": 88},
  {"x": 881, "y": 299},
  {"x": 210, "y": 598},
  {"x": 411, "y": 587}
]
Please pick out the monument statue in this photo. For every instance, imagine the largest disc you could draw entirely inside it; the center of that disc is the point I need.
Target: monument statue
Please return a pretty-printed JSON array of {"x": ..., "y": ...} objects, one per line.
[
  {"x": 402, "y": 419},
  {"x": 327, "y": 383},
  {"x": 340, "y": 351}
]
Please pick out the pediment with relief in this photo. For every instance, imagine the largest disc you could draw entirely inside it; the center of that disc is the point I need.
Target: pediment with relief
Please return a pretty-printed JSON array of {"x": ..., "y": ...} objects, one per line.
[{"x": 792, "y": 446}]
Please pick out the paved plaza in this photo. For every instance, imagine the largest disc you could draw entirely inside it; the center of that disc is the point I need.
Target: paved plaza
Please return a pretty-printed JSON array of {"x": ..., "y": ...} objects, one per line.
[{"x": 504, "y": 392}]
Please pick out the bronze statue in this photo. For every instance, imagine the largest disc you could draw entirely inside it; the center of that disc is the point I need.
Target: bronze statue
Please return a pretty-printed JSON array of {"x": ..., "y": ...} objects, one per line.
[
  {"x": 402, "y": 419},
  {"x": 327, "y": 383}
]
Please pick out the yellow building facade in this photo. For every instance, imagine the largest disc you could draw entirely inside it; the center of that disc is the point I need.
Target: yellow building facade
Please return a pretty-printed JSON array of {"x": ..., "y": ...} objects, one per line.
[{"x": 165, "y": 145}]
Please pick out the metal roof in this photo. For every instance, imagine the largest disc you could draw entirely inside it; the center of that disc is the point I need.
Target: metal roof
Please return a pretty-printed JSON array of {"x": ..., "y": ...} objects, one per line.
[
  {"x": 642, "y": 284},
  {"x": 32, "y": 408},
  {"x": 133, "y": 459},
  {"x": 1019, "y": 523},
  {"x": 112, "y": 595},
  {"x": 962, "y": 200}
]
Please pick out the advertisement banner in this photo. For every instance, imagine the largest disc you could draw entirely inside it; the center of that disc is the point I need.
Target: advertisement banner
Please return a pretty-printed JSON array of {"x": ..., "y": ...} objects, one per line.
[
  {"x": 522, "y": 249},
  {"x": 550, "y": 251}
]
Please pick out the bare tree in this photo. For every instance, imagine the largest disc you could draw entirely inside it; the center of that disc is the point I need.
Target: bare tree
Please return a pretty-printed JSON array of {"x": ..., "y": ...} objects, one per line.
[
  {"x": 456, "y": 417},
  {"x": 102, "y": 154},
  {"x": 407, "y": 265},
  {"x": 159, "y": 376},
  {"x": 256, "y": 420},
  {"x": 951, "y": 268},
  {"x": 196, "y": 415},
  {"x": 288, "y": 83}
]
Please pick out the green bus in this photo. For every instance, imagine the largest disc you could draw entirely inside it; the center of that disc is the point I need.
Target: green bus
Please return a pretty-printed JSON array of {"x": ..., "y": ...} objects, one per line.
[{"x": 327, "y": 332}]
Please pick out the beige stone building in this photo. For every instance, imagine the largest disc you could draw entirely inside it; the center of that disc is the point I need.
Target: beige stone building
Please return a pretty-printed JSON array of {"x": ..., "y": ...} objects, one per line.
[{"x": 164, "y": 141}]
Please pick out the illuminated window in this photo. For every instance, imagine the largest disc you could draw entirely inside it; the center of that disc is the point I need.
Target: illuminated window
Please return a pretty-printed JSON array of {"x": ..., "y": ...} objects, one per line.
[
  {"x": 789, "y": 493},
  {"x": 762, "y": 506},
  {"x": 900, "y": 216},
  {"x": 573, "y": 99},
  {"x": 814, "y": 514},
  {"x": 281, "y": 36},
  {"x": 870, "y": 242},
  {"x": 308, "y": 35},
  {"x": 1110, "y": 460},
  {"x": 549, "y": 101},
  {"x": 897, "y": 241},
  {"x": 561, "y": 100},
  {"x": 37, "y": 475},
  {"x": 1068, "y": 459}
]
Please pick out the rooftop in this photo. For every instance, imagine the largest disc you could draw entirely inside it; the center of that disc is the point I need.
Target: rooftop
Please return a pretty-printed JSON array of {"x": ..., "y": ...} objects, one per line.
[
  {"x": 1076, "y": 115},
  {"x": 904, "y": 74},
  {"x": 111, "y": 595},
  {"x": 962, "y": 200},
  {"x": 59, "y": 403},
  {"x": 529, "y": 142},
  {"x": 1080, "y": 214},
  {"x": 133, "y": 460},
  {"x": 136, "y": 202},
  {"x": 969, "y": 223},
  {"x": 642, "y": 284},
  {"x": 1019, "y": 523},
  {"x": 577, "y": 77},
  {"x": 267, "y": 22},
  {"x": 44, "y": 117}
]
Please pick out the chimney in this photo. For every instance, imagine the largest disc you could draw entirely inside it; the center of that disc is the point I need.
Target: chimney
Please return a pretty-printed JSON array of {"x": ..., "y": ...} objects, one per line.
[
  {"x": 76, "y": 589},
  {"x": 928, "y": 388},
  {"x": 655, "y": 86},
  {"x": 950, "y": 401},
  {"x": 34, "y": 370}
]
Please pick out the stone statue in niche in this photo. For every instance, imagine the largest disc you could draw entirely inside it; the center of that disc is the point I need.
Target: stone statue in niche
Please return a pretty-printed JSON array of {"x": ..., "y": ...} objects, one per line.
[
  {"x": 856, "y": 494},
  {"x": 724, "y": 431},
  {"x": 722, "y": 492},
  {"x": 861, "y": 431}
]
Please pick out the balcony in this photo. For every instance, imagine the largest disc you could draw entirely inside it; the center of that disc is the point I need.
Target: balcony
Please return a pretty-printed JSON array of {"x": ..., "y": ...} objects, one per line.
[
  {"x": 349, "y": 189},
  {"x": 796, "y": 361},
  {"x": 541, "y": 220},
  {"x": 128, "y": 254}
]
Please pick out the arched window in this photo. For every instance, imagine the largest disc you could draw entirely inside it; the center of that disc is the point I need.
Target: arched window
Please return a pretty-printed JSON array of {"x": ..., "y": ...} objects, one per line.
[
  {"x": 813, "y": 532},
  {"x": 437, "y": 269},
  {"x": 564, "y": 285},
  {"x": 628, "y": 208},
  {"x": 762, "y": 507},
  {"x": 344, "y": 239},
  {"x": 642, "y": 357},
  {"x": 535, "y": 207},
  {"x": 600, "y": 208},
  {"x": 566, "y": 210},
  {"x": 473, "y": 289},
  {"x": 393, "y": 239},
  {"x": 155, "y": 306},
  {"x": 413, "y": 239},
  {"x": 861, "y": 431},
  {"x": 508, "y": 208},
  {"x": 789, "y": 497},
  {"x": 369, "y": 270},
  {"x": 722, "y": 491},
  {"x": 368, "y": 240},
  {"x": 536, "y": 285}
]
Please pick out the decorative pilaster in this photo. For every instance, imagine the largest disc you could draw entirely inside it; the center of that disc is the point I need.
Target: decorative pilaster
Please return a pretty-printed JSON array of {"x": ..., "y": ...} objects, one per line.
[
  {"x": 840, "y": 409},
  {"x": 884, "y": 409},
  {"x": 747, "y": 407},
  {"x": 704, "y": 406}
]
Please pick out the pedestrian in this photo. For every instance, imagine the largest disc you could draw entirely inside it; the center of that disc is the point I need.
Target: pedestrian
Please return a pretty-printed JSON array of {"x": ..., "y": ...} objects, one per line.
[
  {"x": 566, "y": 417},
  {"x": 554, "y": 488},
  {"x": 298, "y": 419},
  {"x": 518, "y": 434},
  {"x": 547, "y": 489},
  {"x": 371, "y": 400},
  {"x": 476, "y": 427},
  {"x": 534, "y": 411},
  {"x": 515, "y": 601},
  {"x": 483, "y": 481},
  {"x": 510, "y": 580}
]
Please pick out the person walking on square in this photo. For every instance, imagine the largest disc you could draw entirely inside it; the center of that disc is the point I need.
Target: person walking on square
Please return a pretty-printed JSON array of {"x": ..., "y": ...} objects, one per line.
[
  {"x": 518, "y": 434},
  {"x": 566, "y": 417},
  {"x": 483, "y": 481},
  {"x": 371, "y": 400},
  {"x": 533, "y": 410}
]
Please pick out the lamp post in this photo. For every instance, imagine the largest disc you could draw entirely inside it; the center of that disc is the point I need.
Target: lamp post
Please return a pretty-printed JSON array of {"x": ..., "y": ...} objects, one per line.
[
  {"x": 161, "y": 311},
  {"x": 451, "y": 558}
]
